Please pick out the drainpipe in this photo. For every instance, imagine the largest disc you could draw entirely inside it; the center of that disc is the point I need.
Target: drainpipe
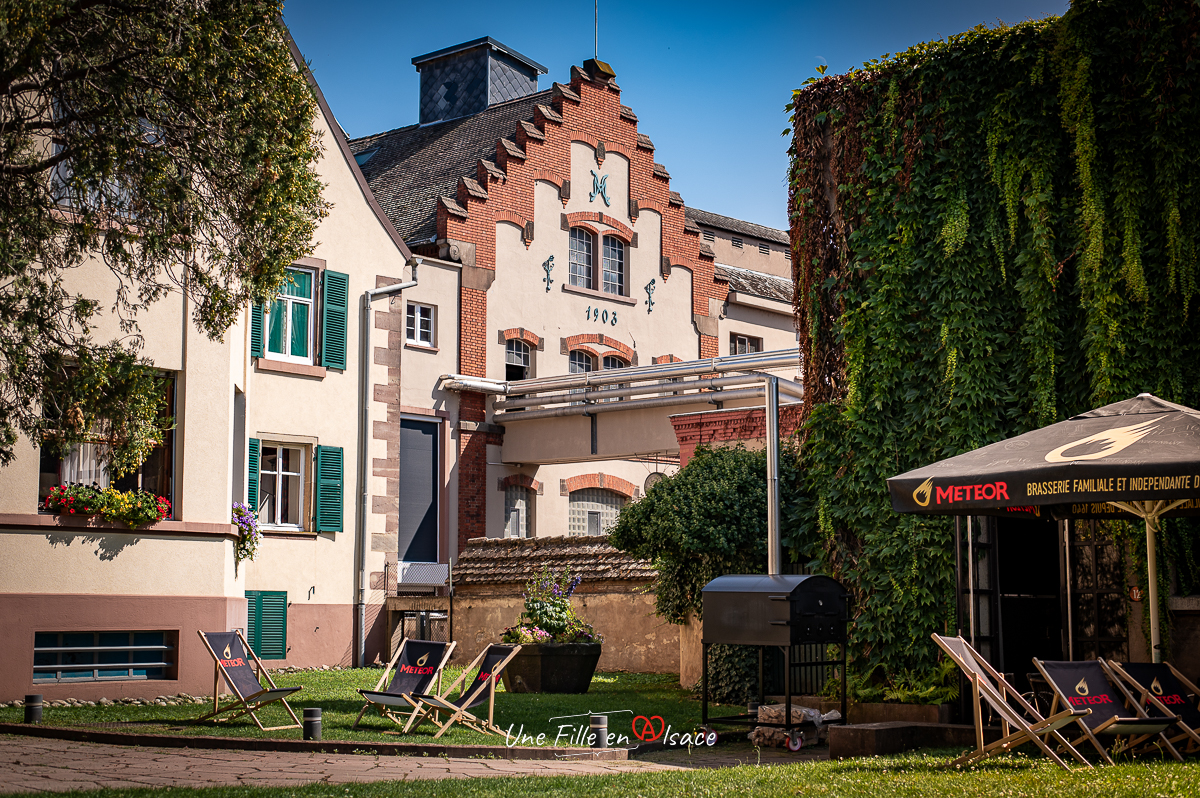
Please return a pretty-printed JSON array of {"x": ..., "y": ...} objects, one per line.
[
  {"x": 364, "y": 456},
  {"x": 774, "y": 547}
]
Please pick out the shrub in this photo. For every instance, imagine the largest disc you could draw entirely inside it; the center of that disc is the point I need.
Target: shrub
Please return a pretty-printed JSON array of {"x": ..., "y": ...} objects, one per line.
[{"x": 549, "y": 616}]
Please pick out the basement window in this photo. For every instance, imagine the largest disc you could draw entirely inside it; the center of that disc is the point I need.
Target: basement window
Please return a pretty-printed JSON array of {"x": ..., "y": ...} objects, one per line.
[{"x": 102, "y": 656}]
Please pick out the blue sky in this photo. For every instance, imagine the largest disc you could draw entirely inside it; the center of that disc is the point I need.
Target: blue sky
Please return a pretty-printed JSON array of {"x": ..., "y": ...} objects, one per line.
[{"x": 707, "y": 80}]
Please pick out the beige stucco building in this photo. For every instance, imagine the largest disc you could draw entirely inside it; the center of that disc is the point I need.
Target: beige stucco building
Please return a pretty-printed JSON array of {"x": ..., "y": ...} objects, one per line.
[{"x": 535, "y": 236}]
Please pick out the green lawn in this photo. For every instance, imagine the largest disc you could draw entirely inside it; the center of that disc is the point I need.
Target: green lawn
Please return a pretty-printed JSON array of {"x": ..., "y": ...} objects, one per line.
[
  {"x": 334, "y": 692},
  {"x": 900, "y": 776}
]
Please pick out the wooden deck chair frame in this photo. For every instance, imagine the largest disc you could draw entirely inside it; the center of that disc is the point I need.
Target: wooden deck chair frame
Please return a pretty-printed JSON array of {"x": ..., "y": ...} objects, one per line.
[
  {"x": 388, "y": 711},
  {"x": 1027, "y": 731},
  {"x": 433, "y": 705},
  {"x": 246, "y": 705},
  {"x": 1186, "y": 732},
  {"x": 1132, "y": 741}
]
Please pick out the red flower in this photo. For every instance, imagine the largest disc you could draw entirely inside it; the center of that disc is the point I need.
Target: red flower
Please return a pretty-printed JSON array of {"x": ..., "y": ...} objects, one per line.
[{"x": 70, "y": 511}]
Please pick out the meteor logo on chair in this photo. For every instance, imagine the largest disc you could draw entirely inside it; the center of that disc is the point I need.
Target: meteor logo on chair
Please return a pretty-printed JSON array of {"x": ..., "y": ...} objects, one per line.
[
  {"x": 1082, "y": 687},
  {"x": 423, "y": 659},
  {"x": 1156, "y": 687},
  {"x": 1113, "y": 440},
  {"x": 923, "y": 491}
]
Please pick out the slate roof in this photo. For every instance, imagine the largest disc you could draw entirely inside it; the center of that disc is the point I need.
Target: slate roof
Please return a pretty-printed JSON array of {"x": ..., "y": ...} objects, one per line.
[
  {"x": 487, "y": 561},
  {"x": 416, "y": 165},
  {"x": 732, "y": 225},
  {"x": 755, "y": 283}
]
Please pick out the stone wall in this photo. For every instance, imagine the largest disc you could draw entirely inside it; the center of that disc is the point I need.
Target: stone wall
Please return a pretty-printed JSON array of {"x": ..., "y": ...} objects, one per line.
[
  {"x": 635, "y": 639},
  {"x": 490, "y": 577}
]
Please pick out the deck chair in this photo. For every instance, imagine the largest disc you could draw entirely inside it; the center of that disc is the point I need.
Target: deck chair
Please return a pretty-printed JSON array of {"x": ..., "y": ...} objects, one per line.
[
  {"x": 233, "y": 664},
  {"x": 1164, "y": 688},
  {"x": 1020, "y": 724},
  {"x": 1115, "y": 714},
  {"x": 417, "y": 664},
  {"x": 489, "y": 666}
]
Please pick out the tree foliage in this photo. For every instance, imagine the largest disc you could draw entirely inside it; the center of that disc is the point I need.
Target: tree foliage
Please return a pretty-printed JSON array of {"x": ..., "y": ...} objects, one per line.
[
  {"x": 170, "y": 141},
  {"x": 991, "y": 233},
  {"x": 707, "y": 520}
]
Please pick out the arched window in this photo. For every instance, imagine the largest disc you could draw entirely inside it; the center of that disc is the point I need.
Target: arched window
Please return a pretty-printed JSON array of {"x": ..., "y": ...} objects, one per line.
[
  {"x": 582, "y": 362},
  {"x": 581, "y": 257},
  {"x": 516, "y": 360},
  {"x": 593, "y": 511},
  {"x": 614, "y": 266},
  {"x": 518, "y": 512},
  {"x": 614, "y": 362}
]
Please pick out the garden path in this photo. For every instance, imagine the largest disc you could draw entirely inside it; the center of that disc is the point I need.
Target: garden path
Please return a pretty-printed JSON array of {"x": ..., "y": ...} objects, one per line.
[{"x": 35, "y": 764}]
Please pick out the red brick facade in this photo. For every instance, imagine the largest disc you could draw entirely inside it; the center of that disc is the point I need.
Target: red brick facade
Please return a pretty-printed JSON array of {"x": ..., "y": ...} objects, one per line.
[
  {"x": 588, "y": 111},
  {"x": 605, "y": 481},
  {"x": 725, "y": 426},
  {"x": 523, "y": 480}
]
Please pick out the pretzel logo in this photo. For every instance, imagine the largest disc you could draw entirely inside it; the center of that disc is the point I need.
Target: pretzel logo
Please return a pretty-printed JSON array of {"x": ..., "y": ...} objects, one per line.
[
  {"x": 1082, "y": 687},
  {"x": 423, "y": 658},
  {"x": 1156, "y": 687}
]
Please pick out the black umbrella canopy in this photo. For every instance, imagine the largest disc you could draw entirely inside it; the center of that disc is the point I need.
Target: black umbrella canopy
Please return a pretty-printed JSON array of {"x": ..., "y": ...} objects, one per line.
[{"x": 1141, "y": 449}]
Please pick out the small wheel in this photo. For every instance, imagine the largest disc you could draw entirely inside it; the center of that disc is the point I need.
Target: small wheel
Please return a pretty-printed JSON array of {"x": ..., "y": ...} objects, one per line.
[{"x": 795, "y": 742}]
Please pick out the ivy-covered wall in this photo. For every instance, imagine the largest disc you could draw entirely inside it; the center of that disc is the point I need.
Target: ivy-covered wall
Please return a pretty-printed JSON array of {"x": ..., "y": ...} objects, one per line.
[{"x": 991, "y": 233}]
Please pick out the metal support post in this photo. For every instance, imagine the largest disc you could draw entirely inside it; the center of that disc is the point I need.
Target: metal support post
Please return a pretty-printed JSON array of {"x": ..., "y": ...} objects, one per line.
[{"x": 774, "y": 547}]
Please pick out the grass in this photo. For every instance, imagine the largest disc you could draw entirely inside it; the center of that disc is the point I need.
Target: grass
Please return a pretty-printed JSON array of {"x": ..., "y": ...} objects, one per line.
[
  {"x": 334, "y": 692},
  {"x": 902, "y": 776}
]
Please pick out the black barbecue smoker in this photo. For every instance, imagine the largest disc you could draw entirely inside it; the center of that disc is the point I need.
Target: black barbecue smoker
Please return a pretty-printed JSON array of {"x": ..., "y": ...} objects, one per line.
[{"x": 782, "y": 610}]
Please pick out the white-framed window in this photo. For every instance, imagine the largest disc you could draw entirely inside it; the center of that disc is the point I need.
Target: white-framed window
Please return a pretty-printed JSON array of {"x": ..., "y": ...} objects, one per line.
[
  {"x": 581, "y": 362},
  {"x": 518, "y": 512},
  {"x": 517, "y": 360},
  {"x": 764, "y": 249},
  {"x": 581, "y": 257},
  {"x": 744, "y": 344},
  {"x": 290, "y": 319},
  {"x": 281, "y": 485},
  {"x": 614, "y": 266},
  {"x": 737, "y": 243},
  {"x": 419, "y": 324},
  {"x": 614, "y": 362},
  {"x": 593, "y": 511}
]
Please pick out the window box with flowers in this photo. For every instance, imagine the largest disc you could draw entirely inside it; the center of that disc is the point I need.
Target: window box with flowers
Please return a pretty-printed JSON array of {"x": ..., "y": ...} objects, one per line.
[
  {"x": 134, "y": 508},
  {"x": 559, "y": 650}
]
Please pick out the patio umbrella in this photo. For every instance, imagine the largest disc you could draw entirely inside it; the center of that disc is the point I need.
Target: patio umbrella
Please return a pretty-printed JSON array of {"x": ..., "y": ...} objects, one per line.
[{"x": 1139, "y": 457}]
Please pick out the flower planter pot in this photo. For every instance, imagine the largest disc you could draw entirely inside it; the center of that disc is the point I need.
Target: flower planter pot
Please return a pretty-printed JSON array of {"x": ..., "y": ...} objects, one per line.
[{"x": 552, "y": 668}]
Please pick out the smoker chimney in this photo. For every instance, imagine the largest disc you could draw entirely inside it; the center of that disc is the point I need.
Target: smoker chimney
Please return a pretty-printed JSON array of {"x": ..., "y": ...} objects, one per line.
[{"x": 467, "y": 78}]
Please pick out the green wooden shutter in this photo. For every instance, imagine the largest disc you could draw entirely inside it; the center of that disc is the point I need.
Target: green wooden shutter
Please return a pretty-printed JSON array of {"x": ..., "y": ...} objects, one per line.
[
  {"x": 327, "y": 513},
  {"x": 266, "y": 623},
  {"x": 335, "y": 312},
  {"x": 253, "y": 618},
  {"x": 252, "y": 475},
  {"x": 256, "y": 331},
  {"x": 272, "y": 631}
]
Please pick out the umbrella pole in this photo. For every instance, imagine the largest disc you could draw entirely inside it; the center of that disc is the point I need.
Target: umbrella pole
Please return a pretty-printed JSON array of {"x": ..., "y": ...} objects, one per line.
[{"x": 1152, "y": 578}]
